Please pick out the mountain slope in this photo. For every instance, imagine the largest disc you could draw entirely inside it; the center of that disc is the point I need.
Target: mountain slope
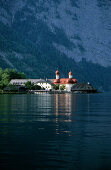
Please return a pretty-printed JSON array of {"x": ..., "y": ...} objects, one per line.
[{"x": 40, "y": 35}]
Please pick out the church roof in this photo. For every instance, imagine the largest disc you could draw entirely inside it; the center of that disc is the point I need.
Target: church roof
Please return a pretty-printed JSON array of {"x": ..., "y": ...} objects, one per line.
[{"x": 65, "y": 81}]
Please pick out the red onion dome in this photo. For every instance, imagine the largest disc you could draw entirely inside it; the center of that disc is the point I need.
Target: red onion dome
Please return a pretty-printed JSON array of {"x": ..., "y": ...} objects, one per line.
[
  {"x": 70, "y": 73},
  {"x": 56, "y": 81},
  {"x": 57, "y": 72}
]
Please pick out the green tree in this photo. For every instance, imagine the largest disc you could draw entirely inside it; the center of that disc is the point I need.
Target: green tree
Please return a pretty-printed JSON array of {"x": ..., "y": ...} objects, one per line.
[
  {"x": 28, "y": 84},
  {"x": 56, "y": 87},
  {"x": 13, "y": 74},
  {"x": 62, "y": 87},
  {"x": 22, "y": 75},
  {"x": 1, "y": 71},
  {"x": 8, "y": 74},
  {"x": 31, "y": 86},
  {"x": 36, "y": 87},
  {"x": 5, "y": 79},
  {"x": 1, "y": 85}
]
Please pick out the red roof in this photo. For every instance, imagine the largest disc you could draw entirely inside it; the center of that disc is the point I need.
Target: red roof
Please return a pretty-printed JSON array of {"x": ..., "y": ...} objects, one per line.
[{"x": 65, "y": 81}]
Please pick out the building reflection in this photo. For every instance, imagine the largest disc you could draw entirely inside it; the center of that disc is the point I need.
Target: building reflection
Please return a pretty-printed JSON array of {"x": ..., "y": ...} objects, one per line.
[
  {"x": 43, "y": 107},
  {"x": 33, "y": 107}
]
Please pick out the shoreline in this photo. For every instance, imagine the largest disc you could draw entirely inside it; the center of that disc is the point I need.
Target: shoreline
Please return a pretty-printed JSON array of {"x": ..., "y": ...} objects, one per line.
[{"x": 51, "y": 92}]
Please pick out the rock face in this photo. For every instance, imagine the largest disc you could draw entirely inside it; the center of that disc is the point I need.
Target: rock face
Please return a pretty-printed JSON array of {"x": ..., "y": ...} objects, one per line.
[
  {"x": 77, "y": 28},
  {"x": 56, "y": 30}
]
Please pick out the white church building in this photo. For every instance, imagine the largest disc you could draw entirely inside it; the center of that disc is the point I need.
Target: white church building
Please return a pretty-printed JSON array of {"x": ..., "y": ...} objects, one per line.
[{"x": 48, "y": 84}]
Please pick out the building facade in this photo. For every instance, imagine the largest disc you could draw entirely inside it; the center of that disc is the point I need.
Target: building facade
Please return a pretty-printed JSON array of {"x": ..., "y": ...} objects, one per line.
[
  {"x": 48, "y": 84},
  {"x": 44, "y": 84},
  {"x": 67, "y": 82}
]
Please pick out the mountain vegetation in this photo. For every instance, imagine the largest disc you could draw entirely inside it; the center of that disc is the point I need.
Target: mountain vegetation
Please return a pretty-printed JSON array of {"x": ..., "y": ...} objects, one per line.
[
  {"x": 8, "y": 74},
  {"x": 37, "y": 37}
]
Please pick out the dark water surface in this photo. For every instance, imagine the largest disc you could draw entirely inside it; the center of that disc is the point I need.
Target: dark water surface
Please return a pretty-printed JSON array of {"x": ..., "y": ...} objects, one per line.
[{"x": 64, "y": 131}]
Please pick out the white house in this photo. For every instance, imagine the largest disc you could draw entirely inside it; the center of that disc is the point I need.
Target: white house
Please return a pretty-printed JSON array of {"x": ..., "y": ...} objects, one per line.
[{"x": 46, "y": 84}]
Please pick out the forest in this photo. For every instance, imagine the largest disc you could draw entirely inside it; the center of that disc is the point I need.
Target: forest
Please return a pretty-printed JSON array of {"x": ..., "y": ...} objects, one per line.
[
  {"x": 8, "y": 74},
  {"x": 41, "y": 60}
]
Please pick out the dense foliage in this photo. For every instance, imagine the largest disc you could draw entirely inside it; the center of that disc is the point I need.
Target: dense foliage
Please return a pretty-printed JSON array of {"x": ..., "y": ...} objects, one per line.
[
  {"x": 62, "y": 87},
  {"x": 32, "y": 86},
  {"x": 8, "y": 74},
  {"x": 56, "y": 87}
]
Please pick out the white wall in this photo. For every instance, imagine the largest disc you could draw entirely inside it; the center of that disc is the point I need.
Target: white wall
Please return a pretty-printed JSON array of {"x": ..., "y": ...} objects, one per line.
[{"x": 68, "y": 87}]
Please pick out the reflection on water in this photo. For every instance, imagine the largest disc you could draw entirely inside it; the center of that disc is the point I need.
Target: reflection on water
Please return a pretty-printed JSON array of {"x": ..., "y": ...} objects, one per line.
[
  {"x": 63, "y": 110},
  {"x": 59, "y": 131},
  {"x": 38, "y": 108}
]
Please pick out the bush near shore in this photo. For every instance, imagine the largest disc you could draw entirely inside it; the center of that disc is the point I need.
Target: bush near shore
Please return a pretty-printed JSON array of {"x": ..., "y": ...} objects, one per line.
[{"x": 8, "y": 74}]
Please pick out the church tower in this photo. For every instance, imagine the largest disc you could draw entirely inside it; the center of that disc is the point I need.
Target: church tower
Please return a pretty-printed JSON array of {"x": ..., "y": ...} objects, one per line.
[
  {"x": 57, "y": 74},
  {"x": 70, "y": 75}
]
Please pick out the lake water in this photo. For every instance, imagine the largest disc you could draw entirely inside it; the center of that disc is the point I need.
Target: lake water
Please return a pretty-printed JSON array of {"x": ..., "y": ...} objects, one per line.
[{"x": 55, "y": 131}]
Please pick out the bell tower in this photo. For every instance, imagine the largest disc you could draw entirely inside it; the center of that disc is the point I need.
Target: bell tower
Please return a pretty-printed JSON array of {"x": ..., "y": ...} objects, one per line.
[
  {"x": 57, "y": 74},
  {"x": 70, "y": 75}
]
